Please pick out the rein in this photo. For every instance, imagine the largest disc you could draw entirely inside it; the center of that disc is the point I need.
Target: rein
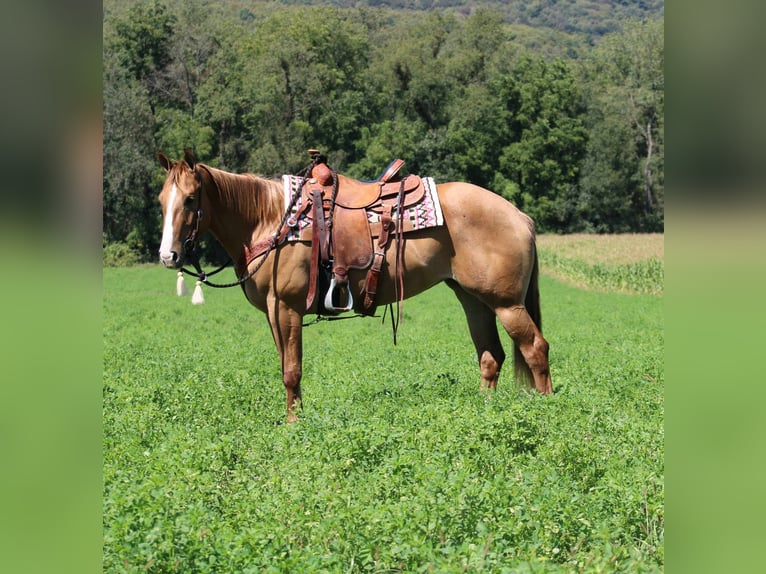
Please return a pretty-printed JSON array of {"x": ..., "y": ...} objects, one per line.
[{"x": 192, "y": 253}]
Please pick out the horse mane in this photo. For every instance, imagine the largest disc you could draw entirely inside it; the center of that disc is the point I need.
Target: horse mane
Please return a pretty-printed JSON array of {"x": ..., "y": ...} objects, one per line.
[{"x": 257, "y": 199}]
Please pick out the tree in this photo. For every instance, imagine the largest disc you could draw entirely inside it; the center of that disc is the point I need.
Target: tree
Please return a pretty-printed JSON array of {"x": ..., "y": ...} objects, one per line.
[
  {"x": 149, "y": 97},
  {"x": 192, "y": 46},
  {"x": 475, "y": 46},
  {"x": 477, "y": 133},
  {"x": 409, "y": 73},
  {"x": 191, "y": 49},
  {"x": 539, "y": 166},
  {"x": 129, "y": 200},
  {"x": 223, "y": 99},
  {"x": 623, "y": 174},
  {"x": 458, "y": 97},
  {"x": 141, "y": 41},
  {"x": 286, "y": 87}
]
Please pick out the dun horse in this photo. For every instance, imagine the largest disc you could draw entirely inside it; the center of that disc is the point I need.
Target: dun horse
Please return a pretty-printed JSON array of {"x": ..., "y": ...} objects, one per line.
[{"x": 484, "y": 250}]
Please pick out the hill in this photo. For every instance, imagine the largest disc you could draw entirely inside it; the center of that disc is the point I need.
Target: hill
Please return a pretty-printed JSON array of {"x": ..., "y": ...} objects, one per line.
[{"x": 593, "y": 18}]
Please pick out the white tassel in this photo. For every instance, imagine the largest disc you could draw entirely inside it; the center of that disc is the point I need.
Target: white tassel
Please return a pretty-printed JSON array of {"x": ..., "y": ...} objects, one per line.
[
  {"x": 181, "y": 289},
  {"x": 198, "y": 298}
]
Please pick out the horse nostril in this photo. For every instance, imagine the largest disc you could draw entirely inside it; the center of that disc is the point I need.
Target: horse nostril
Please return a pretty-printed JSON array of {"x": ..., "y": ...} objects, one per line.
[{"x": 169, "y": 259}]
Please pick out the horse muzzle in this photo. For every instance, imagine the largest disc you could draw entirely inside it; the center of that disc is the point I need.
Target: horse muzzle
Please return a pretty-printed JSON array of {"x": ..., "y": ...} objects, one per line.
[{"x": 171, "y": 260}]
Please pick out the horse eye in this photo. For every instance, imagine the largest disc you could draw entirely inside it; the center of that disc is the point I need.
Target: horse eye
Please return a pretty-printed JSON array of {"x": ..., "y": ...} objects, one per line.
[{"x": 189, "y": 201}]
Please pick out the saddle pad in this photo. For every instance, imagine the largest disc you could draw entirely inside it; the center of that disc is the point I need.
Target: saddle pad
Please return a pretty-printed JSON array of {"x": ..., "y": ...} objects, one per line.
[{"x": 427, "y": 213}]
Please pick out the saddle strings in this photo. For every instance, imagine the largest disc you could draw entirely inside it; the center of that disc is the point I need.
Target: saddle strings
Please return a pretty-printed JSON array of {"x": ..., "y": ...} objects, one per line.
[{"x": 398, "y": 273}]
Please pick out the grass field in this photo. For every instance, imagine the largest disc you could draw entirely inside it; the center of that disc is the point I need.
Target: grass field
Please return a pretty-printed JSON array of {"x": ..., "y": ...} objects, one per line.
[{"x": 399, "y": 463}]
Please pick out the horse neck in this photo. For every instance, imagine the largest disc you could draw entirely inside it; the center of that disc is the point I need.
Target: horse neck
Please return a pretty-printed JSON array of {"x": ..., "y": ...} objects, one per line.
[{"x": 244, "y": 208}]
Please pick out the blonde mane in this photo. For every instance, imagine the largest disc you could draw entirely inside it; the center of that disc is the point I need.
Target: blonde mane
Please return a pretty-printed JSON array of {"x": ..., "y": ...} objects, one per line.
[{"x": 257, "y": 199}]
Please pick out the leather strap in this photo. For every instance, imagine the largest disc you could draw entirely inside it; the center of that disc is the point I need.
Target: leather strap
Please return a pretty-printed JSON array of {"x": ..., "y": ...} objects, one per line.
[
  {"x": 321, "y": 225},
  {"x": 399, "y": 273},
  {"x": 371, "y": 282},
  {"x": 260, "y": 247},
  {"x": 314, "y": 266}
]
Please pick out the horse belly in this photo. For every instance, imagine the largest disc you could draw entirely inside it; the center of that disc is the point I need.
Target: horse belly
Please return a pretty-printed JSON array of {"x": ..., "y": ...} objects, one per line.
[{"x": 426, "y": 261}]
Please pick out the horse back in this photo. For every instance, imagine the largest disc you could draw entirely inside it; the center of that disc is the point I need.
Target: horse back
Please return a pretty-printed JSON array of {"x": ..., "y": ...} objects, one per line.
[{"x": 466, "y": 205}]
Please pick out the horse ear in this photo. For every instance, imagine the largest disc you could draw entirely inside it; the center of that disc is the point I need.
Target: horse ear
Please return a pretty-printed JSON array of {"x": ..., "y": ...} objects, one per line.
[
  {"x": 164, "y": 161},
  {"x": 189, "y": 157}
]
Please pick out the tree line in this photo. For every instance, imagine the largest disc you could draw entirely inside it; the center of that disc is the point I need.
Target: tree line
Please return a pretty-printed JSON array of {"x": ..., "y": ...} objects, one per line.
[{"x": 571, "y": 131}]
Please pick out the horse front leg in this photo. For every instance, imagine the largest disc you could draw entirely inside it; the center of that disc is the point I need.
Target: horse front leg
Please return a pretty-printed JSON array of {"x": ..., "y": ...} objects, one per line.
[{"x": 287, "y": 329}]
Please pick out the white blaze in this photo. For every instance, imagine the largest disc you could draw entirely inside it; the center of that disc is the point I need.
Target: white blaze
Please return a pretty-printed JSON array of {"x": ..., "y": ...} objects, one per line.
[{"x": 166, "y": 247}]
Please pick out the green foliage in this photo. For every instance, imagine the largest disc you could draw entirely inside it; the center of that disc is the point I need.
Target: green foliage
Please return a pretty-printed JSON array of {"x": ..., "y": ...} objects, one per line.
[
  {"x": 177, "y": 131},
  {"x": 142, "y": 38},
  {"x": 542, "y": 104},
  {"x": 589, "y": 18},
  {"x": 129, "y": 196},
  {"x": 119, "y": 255},
  {"x": 398, "y": 463}
]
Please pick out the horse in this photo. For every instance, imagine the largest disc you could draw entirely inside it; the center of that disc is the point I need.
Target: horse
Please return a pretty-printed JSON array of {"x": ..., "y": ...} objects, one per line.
[{"x": 485, "y": 251}]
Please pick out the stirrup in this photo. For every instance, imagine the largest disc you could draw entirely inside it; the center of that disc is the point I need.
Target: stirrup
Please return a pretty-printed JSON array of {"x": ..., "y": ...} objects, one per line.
[{"x": 328, "y": 299}]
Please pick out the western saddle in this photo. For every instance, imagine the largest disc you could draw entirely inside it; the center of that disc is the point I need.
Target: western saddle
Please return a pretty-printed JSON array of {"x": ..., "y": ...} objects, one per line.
[{"x": 342, "y": 236}]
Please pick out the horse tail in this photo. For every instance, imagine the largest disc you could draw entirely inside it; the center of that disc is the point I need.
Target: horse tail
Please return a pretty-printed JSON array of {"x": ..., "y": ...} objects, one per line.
[
  {"x": 532, "y": 302},
  {"x": 521, "y": 371}
]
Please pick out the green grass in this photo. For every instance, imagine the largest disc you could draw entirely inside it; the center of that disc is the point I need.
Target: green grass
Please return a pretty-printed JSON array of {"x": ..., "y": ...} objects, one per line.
[{"x": 399, "y": 463}]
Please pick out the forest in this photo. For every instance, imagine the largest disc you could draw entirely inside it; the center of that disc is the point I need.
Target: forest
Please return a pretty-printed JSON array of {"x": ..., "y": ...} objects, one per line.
[{"x": 558, "y": 106}]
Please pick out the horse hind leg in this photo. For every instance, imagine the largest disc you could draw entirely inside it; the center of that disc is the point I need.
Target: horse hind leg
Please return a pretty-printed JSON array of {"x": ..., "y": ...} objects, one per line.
[
  {"x": 483, "y": 329},
  {"x": 530, "y": 350}
]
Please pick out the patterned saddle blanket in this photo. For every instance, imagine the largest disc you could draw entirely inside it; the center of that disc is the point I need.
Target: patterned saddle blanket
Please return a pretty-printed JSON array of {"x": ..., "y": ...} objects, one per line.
[{"x": 421, "y": 215}]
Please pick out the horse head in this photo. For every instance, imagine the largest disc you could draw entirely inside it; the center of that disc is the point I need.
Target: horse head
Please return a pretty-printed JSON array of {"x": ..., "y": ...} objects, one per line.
[{"x": 182, "y": 204}]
